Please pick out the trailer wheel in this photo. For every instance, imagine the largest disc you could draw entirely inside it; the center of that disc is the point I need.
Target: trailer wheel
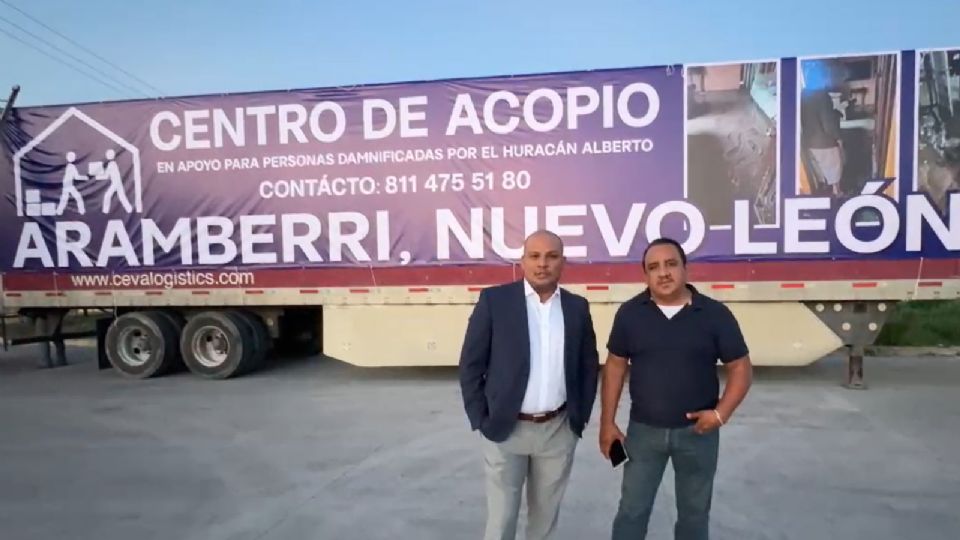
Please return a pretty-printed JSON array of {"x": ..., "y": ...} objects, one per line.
[
  {"x": 262, "y": 343},
  {"x": 141, "y": 345},
  {"x": 217, "y": 344}
]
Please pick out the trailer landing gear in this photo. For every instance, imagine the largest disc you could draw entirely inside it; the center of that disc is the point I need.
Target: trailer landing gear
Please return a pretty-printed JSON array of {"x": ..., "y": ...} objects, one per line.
[
  {"x": 855, "y": 368},
  {"x": 857, "y": 323}
]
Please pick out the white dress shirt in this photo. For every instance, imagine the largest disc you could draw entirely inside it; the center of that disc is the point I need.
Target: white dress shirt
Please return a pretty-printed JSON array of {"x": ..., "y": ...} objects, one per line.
[{"x": 546, "y": 388}]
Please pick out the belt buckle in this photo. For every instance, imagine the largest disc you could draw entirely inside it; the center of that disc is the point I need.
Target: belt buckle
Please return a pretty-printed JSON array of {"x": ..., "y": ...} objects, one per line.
[
  {"x": 536, "y": 418},
  {"x": 539, "y": 418}
]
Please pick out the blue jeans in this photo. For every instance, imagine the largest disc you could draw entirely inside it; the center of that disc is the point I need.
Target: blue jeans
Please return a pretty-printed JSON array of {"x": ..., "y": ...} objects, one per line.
[{"x": 694, "y": 460}]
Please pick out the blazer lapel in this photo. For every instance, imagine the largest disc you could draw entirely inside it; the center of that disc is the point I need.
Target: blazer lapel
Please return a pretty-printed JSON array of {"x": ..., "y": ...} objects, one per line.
[
  {"x": 570, "y": 322},
  {"x": 521, "y": 324}
]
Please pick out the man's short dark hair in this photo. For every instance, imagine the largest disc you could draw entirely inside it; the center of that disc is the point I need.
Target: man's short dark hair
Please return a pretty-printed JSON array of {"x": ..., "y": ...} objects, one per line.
[{"x": 662, "y": 242}]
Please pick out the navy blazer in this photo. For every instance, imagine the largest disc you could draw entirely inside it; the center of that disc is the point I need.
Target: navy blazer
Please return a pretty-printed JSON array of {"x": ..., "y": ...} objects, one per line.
[{"x": 495, "y": 360}]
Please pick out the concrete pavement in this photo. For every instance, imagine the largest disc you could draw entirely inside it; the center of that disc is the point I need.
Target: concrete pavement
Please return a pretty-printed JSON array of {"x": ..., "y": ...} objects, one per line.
[{"x": 313, "y": 448}]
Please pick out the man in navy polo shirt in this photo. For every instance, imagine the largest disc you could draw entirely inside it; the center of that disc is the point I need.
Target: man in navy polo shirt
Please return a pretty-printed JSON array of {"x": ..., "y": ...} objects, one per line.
[{"x": 670, "y": 338}]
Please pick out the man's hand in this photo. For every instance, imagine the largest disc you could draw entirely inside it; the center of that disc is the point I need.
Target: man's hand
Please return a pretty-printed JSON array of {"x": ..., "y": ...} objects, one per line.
[
  {"x": 614, "y": 374},
  {"x": 707, "y": 421},
  {"x": 609, "y": 433}
]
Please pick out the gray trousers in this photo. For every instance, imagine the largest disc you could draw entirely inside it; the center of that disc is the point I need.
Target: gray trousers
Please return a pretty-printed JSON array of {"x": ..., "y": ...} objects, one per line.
[{"x": 540, "y": 455}]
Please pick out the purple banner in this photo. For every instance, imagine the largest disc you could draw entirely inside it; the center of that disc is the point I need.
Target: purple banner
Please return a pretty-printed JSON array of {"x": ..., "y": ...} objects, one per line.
[{"x": 737, "y": 161}]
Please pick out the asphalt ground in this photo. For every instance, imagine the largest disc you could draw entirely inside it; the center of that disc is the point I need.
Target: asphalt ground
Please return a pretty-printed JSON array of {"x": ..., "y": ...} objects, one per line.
[{"x": 314, "y": 448}]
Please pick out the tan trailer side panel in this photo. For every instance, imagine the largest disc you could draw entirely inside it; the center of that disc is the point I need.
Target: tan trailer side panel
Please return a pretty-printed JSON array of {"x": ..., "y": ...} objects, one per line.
[
  {"x": 395, "y": 335},
  {"x": 777, "y": 333}
]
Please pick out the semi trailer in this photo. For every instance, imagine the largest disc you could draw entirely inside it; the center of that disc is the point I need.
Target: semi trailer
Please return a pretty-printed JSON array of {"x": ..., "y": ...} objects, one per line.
[{"x": 811, "y": 195}]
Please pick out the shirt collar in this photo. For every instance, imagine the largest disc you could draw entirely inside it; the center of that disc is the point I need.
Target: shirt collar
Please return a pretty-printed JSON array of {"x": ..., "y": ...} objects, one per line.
[{"x": 528, "y": 290}]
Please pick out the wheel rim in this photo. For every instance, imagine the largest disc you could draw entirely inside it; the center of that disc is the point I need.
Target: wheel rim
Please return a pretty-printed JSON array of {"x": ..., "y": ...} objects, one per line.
[
  {"x": 135, "y": 347},
  {"x": 210, "y": 346}
]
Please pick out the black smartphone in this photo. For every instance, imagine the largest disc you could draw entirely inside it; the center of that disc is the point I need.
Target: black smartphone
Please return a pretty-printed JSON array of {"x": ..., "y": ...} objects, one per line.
[{"x": 618, "y": 454}]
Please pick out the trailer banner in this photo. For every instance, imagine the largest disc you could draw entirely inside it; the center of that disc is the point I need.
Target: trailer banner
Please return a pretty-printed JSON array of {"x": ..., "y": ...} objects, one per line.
[{"x": 784, "y": 159}]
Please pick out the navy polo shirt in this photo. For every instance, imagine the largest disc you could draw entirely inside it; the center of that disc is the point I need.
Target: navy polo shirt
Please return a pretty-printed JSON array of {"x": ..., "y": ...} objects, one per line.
[{"x": 673, "y": 362}]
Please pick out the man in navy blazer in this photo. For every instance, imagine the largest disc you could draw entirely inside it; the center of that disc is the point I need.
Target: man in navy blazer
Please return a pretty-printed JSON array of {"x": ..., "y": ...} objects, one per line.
[{"x": 528, "y": 375}]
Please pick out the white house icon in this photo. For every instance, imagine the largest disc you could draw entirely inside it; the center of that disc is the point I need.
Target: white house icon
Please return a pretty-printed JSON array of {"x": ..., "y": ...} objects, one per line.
[{"x": 73, "y": 112}]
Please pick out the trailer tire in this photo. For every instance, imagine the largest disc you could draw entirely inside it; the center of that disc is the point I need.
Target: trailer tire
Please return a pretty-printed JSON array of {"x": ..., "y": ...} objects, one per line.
[
  {"x": 142, "y": 344},
  {"x": 262, "y": 343},
  {"x": 217, "y": 344},
  {"x": 177, "y": 321},
  {"x": 175, "y": 318}
]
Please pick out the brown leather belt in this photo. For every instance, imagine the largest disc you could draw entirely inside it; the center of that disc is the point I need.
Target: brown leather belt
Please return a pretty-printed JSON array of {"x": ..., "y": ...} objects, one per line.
[{"x": 540, "y": 418}]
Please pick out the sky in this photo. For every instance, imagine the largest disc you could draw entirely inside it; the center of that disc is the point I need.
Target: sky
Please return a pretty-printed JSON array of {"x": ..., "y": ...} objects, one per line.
[{"x": 177, "y": 48}]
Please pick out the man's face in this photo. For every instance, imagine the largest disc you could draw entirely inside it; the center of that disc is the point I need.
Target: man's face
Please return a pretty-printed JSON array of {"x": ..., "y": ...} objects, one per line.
[
  {"x": 665, "y": 271},
  {"x": 542, "y": 261}
]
